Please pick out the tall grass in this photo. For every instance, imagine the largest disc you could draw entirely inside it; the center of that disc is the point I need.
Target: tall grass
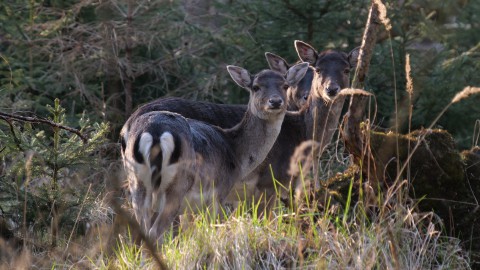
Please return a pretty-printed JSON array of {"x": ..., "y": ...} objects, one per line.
[
  {"x": 354, "y": 237},
  {"x": 327, "y": 235}
]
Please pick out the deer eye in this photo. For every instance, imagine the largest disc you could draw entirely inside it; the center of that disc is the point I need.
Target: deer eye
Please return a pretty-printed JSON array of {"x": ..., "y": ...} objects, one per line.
[
  {"x": 318, "y": 70},
  {"x": 255, "y": 88},
  {"x": 346, "y": 71},
  {"x": 285, "y": 87}
]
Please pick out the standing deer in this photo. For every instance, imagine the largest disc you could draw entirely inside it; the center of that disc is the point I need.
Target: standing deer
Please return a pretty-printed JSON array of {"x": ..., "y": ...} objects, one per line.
[
  {"x": 318, "y": 118},
  {"x": 174, "y": 163}
]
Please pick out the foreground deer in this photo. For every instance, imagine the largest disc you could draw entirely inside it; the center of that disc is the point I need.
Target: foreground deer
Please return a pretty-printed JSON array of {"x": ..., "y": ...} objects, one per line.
[
  {"x": 318, "y": 118},
  {"x": 173, "y": 163}
]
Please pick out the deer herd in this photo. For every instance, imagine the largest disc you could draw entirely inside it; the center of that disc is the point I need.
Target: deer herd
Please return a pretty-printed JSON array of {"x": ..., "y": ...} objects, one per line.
[{"x": 181, "y": 155}]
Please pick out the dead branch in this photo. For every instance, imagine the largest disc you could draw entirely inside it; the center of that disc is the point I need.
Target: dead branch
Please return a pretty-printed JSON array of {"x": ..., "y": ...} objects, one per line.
[
  {"x": 356, "y": 140},
  {"x": 366, "y": 49},
  {"x": 7, "y": 117}
]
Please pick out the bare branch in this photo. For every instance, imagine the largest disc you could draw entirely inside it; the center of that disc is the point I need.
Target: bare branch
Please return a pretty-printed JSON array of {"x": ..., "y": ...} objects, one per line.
[
  {"x": 7, "y": 117},
  {"x": 366, "y": 49}
]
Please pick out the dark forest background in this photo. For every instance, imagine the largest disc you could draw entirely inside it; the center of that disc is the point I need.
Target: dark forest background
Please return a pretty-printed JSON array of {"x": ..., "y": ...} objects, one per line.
[{"x": 104, "y": 58}]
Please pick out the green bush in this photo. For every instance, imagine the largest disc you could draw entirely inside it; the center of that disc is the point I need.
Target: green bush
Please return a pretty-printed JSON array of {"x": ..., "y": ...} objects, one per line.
[{"x": 46, "y": 171}]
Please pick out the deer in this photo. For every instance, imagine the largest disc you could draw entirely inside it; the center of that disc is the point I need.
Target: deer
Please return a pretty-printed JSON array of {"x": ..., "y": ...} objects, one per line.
[
  {"x": 176, "y": 164},
  {"x": 317, "y": 119}
]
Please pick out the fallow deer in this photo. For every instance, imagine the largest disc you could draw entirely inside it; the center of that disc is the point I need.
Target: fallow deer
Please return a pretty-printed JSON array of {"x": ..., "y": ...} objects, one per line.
[
  {"x": 174, "y": 163},
  {"x": 317, "y": 120}
]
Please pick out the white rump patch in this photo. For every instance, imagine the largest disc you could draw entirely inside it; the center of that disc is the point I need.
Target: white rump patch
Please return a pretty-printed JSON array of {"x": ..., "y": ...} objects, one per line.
[
  {"x": 167, "y": 144},
  {"x": 144, "y": 146},
  {"x": 168, "y": 172}
]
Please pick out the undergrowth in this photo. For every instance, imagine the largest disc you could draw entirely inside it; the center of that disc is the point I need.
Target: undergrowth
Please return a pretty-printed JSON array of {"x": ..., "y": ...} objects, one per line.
[{"x": 386, "y": 236}]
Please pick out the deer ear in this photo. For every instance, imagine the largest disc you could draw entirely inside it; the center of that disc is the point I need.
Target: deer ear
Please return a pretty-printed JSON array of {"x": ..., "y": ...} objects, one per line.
[
  {"x": 305, "y": 52},
  {"x": 276, "y": 63},
  {"x": 296, "y": 73},
  {"x": 240, "y": 76},
  {"x": 353, "y": 57}
]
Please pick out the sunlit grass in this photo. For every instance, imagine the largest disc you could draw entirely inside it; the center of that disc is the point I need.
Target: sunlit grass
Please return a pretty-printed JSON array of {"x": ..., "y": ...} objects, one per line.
[
  {"x": 393, "y": 236},
  {"x": 313, "y": 232}
]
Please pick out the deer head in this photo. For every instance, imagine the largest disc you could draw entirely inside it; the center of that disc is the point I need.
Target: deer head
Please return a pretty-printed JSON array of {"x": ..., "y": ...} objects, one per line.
[{"x": 331, "y": 69}]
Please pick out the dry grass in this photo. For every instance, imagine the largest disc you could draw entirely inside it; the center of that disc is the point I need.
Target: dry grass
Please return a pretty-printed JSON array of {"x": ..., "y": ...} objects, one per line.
[
  {"x": 382, "y": 10},
  {"x": 386, "y": 235},
  {"x": 465, "y": 93},
  {"x": 408, "y": 74},
  {"x": 397, "y": 239}
]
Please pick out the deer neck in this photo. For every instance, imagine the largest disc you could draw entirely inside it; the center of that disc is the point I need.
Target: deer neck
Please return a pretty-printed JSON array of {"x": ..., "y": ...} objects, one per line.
[{"x": 252, "y": 139}]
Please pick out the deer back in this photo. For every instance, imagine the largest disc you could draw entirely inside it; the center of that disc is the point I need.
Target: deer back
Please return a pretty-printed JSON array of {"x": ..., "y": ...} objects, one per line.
[{"x": 222, "y": 115}]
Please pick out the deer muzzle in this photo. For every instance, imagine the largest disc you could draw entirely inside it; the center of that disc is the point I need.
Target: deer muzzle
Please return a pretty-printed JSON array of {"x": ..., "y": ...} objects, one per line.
[{"x": 275, "y": 103}]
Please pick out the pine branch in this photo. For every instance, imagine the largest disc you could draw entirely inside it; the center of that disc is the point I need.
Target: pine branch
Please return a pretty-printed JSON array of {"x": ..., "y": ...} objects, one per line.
[{"x": 7, "y": 117}]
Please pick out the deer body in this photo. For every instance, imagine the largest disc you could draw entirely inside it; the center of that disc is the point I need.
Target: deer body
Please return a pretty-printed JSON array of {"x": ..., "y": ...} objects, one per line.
[
  {"x": 225, "y": 116},
  {"x": 174, "y": 163}
]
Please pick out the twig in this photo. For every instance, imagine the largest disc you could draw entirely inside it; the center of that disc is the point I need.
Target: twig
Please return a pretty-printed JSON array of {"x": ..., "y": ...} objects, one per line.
[
  {"x": 15, "y": 138},
  {"x": 353, "y": 135},
  {"x": 76, "y": 220},
  {"x": 7, "y": 117},
  {"x": 28, "y": 169}
]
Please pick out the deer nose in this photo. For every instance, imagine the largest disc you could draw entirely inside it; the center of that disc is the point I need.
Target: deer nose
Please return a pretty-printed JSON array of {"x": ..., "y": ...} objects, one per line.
[
  {"x": 275, "y": 102},
  {"x": 333, "y": 90}
]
